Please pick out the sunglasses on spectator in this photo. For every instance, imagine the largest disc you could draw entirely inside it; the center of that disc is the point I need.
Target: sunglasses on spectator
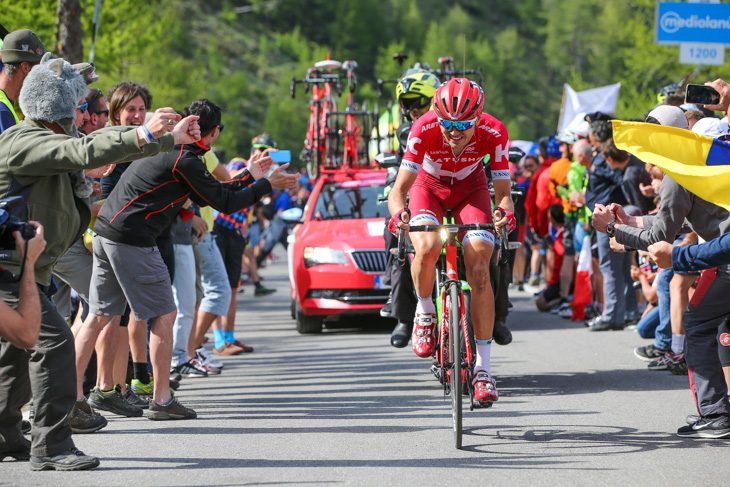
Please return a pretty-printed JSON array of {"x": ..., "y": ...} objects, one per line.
[
  {"x": 83, "y": 107},
  {"x": 221, "y": 126},
  {"x": 460, "y": 126},
  {"x": 100, "y": 112}
]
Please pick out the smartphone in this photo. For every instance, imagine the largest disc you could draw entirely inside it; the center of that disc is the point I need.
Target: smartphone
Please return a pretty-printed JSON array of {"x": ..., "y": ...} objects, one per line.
[
  {"x": 280, "y": 156},
  {"x": 704, "y": 95}
]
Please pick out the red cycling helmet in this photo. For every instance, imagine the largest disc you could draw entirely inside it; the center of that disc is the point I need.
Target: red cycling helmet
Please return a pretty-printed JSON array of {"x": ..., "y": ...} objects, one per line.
[{"x": 458, "y": 99}]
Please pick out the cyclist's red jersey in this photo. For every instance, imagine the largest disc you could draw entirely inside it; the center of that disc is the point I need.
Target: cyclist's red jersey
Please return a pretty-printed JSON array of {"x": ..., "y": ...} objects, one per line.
[{"x": 427, "y": 148}]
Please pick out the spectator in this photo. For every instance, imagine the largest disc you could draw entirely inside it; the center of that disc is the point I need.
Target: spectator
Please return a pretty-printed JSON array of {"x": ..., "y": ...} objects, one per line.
[
  {"x": 549, "y": 297},
  {"x": 21, "y": 50}
]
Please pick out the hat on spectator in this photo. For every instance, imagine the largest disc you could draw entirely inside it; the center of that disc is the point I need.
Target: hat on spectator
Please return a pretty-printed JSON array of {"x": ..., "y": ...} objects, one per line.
[
  {"x": 711, "y": 127},
  {"x": 22, "y": 46},
  {"x": 263, "y": 141},
  {"x": 669, "y": 116},
  {"x": 51, "y": 93},
  {"x": 598, "y": 117}
]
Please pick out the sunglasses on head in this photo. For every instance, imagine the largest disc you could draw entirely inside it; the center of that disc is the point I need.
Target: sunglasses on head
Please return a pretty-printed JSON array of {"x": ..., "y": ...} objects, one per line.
[
  {"x": 460, "y": 126},
  {"x": 83, "y": 107}
]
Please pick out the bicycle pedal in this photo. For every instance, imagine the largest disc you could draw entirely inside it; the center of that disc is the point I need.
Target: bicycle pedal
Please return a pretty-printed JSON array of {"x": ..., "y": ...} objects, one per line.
[{"x": 479, "y": 405}]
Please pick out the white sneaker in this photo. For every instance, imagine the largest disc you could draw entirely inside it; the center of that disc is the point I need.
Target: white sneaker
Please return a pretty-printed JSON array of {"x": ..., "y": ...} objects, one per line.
[
  {"x": 207, "y": 360},
  {"x": 565, "y": 311}
]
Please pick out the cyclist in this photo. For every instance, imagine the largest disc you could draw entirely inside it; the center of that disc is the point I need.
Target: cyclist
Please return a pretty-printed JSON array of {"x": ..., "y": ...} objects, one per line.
[
  {"x": 442, "y": 169},
  {"x": 414, "y": 93}
]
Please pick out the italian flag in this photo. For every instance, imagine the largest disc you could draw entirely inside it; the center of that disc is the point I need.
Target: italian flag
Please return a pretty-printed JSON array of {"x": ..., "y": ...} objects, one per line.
[{"x": 582, "y": 292}]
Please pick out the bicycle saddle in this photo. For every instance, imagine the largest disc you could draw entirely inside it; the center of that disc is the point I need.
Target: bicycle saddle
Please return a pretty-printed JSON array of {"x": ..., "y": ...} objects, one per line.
[{"x": 328, "y": 64}]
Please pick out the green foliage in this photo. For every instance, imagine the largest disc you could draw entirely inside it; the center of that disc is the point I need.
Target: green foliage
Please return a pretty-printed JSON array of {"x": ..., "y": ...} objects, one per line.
[{"x": 243, "y": 54}]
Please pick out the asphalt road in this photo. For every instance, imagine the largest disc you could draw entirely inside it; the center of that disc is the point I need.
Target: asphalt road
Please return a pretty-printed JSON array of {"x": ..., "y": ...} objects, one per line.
[{"x": 345, "y": 408}]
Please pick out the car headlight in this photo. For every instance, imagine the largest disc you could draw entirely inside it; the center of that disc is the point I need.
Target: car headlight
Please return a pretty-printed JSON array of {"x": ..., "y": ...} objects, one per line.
[{"x": 323, "y": 255}]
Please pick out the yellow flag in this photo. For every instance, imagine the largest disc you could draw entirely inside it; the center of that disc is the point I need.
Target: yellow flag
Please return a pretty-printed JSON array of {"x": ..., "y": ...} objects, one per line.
[{"x": 700, "y": 164}]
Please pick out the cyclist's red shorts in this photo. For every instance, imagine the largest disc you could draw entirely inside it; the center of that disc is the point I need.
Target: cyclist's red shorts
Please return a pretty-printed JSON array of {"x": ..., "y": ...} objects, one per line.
[{"x": 468, "y": 200}]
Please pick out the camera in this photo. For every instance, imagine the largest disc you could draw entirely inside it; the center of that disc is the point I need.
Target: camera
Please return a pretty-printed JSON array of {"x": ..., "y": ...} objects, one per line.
[{"x": 10, "y": 223}]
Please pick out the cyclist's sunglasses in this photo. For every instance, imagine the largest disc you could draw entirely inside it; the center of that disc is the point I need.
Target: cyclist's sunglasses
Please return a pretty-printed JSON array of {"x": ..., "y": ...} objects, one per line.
[{"x": 460, "y": 126}]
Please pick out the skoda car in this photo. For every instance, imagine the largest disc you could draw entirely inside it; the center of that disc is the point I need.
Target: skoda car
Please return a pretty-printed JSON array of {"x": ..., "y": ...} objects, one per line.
[{"x": 337, "y": 254}]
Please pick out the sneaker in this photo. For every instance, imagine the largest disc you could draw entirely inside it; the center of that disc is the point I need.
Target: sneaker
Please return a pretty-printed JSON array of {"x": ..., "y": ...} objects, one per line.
[
  {"x": 485, "y": 387},
  {"x": 601, "y": 325},
  {"x": 534, "y": 281},
  {"x": 143, "y": 390},
  {"x": 25, "y": 427},
  {"x": 692, "y": 418},
  {"x": 718, "y": 427},
  {"x": 228, "y": 349},
  {"x": 83, "y": 418},
  {"x": 679, "y": 368},
  {"x": 663, "y": 362},
  {"x": 501, "y": 334},
  {"x": 422, "y": 338},
  {"x": 191, "y": 369},
  {"x": 132, "y": 398},
  {"x": 73, "y": 459},
  {"x": 649, "y": 353},
  {"x": 246, "y": 348},
  {"x": 173, "y": 410},
  {"x": 114, "y": 402},
  {"x": 385, "y": 310},
  {"x": 263, "y": 291},
  {"x": 565, "y": 311},
  {"x": 208, "y": 361}
]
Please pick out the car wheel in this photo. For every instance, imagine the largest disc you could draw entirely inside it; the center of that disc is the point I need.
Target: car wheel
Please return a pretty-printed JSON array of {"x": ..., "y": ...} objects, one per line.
[{"x": 308, "y": 324}]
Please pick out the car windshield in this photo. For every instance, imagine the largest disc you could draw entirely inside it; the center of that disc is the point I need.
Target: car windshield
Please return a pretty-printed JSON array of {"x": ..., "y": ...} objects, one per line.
[{"x": 350, "y": 200}]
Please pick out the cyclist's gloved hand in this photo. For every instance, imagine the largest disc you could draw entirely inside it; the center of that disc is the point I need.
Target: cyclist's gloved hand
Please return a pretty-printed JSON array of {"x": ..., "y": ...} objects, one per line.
[
  {"x": 395, "y": 219},
  {"x": 511, "y": 222}
]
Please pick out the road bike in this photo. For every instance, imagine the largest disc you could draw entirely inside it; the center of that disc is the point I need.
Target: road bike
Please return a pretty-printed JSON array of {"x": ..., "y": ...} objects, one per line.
[{"x": 455, "y": 351}]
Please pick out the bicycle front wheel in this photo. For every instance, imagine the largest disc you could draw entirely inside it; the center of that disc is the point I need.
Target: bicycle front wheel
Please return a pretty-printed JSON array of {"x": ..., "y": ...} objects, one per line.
[{"x": 455, "y": 358}]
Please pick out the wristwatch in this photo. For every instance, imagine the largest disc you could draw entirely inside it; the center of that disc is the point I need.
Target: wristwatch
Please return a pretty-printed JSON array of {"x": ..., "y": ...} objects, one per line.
[{"x": 610, "y": 229}]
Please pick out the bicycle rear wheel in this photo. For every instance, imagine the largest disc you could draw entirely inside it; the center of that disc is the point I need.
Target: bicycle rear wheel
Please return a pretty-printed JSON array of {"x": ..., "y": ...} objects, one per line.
[{"x": 455, "y": 358}]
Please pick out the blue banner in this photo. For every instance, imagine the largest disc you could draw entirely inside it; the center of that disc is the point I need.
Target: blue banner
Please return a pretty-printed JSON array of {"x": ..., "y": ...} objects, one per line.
[{"x": 677, "y": 22}]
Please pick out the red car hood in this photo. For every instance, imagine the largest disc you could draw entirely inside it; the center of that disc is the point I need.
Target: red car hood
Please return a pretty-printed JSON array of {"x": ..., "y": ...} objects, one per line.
[{"x": 343, "y": 234}]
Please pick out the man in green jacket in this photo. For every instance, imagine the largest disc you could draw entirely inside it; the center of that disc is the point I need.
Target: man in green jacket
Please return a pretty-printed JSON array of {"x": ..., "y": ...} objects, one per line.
[{"x": 36, "y": 159}]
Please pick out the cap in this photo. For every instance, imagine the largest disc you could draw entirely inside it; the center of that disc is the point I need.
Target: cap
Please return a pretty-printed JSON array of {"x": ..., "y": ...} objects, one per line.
[
  {"x": 669, "y": 116},
  {"x": 22, "y": 46},
  {"x": 263, "y": 141},
  {"x": 598, "y": 117},
  {"x": 711, "y": 127}
]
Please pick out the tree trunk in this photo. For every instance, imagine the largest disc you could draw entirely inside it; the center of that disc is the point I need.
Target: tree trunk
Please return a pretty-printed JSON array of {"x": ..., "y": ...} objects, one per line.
[{"x": 69, "y": 31}]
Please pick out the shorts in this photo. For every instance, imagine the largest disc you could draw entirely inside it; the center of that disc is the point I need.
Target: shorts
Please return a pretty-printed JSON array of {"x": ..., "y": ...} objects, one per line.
[
  {"x": 468, "y": 200},
  {"x": 551, "y": 292},
  {"x": 114, "y": 282},
  {"x": 231, "y": 245}
]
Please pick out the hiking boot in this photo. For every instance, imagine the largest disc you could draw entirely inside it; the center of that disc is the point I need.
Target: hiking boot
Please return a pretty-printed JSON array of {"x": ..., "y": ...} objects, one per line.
[
  {"x": 717, "y": 427},
  {"x": 191, "y": 369},
  {"x": 501, "y": 334},
  {"x": 228, "y": 349},
  {"x": 485, "y": 387},
  {"x": 208, "y": 361},
  {"x": 246, "y": 348},
  {"x": 73, "y": 459},
  {"x": 173, "y": 410},
  {"x": 679, "y": 368},
  {"x": 263, "y": 291},
  {"x": 83, "y": 418},
  {"x": 665, "y": 360},
  {"x": 649, "y": 353},
  {"x": 401, "y": 334},
  {"x": 422, "y": 338},
  {"x": 132, "y": 398},
  {"x": 19, "y": 454},
  {"x": 114, "y": 402}
]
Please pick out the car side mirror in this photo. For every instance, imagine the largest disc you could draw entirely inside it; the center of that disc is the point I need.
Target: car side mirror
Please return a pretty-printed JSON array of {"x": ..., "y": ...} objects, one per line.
[{"x": 387, "y": 159}]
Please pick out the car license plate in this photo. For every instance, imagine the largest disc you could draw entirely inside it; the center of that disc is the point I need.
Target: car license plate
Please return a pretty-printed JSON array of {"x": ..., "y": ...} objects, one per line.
[{"x": 379, "y": 282}]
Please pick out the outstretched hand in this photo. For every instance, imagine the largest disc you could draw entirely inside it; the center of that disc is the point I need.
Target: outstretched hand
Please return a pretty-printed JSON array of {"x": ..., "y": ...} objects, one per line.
[
  {"x": 164, "y": 120},
  {"x": 281, "y": 180},
  {"x": 187, "y": 131},
  {"x": 724, "y": 89},
  {"x": 661, "y": 253},
  {"x": 260, "y": 164}
]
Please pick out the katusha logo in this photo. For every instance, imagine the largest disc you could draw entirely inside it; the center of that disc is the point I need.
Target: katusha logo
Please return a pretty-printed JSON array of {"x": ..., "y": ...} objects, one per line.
[{"x": 671, "y": 22}]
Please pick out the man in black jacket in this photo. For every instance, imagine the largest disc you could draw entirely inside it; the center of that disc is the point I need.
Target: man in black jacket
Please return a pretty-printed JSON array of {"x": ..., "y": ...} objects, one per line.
[{"x": 147, "y": 198}]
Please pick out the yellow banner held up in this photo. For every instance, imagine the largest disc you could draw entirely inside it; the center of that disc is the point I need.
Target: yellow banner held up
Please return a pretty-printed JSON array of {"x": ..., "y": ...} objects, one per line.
[{"x": 700, "y": 164}]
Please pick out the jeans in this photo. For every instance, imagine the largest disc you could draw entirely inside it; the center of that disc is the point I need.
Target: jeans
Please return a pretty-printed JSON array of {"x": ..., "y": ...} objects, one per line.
[
  {"x": 663, "y": 332},
  {"x": 618, "y": 289},
  {"x": 648, "y": 323},
  {"x": 216, "y": 289},
  {"x": 183, "y": 290}
]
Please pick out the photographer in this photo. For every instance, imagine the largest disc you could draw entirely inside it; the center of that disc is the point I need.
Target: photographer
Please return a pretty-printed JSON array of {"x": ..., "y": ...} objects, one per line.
[{"x": 21, "y": 325}]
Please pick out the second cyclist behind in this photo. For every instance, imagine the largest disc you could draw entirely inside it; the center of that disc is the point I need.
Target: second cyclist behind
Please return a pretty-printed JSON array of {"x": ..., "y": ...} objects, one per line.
[{"x": 442, "y": 169}]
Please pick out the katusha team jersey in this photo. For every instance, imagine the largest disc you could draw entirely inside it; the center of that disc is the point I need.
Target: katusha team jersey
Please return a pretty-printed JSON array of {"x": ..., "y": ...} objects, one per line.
[{"x": 427, "y": 148}]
